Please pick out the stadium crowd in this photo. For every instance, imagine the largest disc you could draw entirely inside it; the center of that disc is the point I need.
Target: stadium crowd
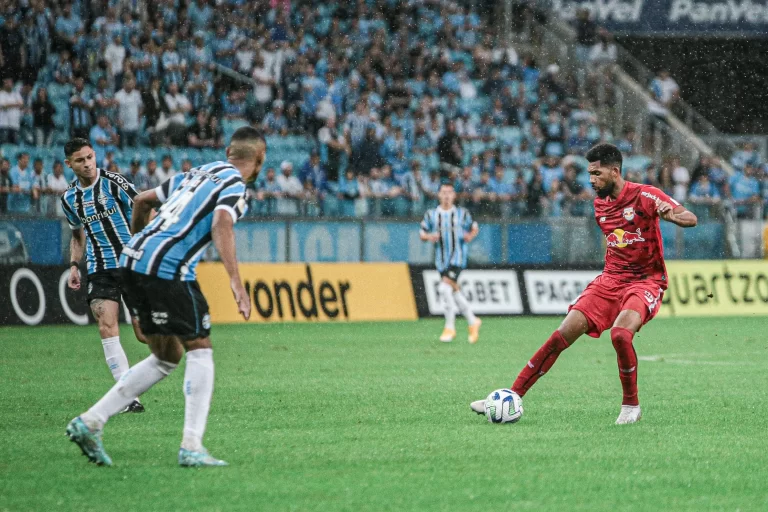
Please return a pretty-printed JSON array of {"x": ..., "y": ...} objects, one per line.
[{"x": 367, "y": 106}]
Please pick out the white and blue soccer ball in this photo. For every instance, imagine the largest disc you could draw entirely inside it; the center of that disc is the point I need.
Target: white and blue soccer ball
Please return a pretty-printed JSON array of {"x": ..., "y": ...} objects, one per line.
[{"x": 503, "y": 406}]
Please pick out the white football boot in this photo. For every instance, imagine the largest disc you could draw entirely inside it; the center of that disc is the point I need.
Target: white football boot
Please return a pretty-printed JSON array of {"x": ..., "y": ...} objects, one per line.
[
  {"x": 629, "y": 414},
  {"x": 478, "y": 406}
]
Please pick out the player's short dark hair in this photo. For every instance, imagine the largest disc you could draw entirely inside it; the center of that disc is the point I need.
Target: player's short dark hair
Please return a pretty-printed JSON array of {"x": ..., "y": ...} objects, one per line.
[
  {"x": 606, "y": 154},
  {"x": 75, "y": 145},
  {"x": 248, "y": 133},
  {"x": 446, "y": 184}
]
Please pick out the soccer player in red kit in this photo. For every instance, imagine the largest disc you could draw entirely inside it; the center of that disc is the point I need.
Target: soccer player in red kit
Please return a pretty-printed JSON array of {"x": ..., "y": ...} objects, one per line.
[{"x": 628, "y": 293}]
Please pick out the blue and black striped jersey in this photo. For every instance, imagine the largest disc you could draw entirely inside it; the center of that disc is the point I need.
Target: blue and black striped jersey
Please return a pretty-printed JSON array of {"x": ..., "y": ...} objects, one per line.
[
  {"x": 451, "y": 250},
  {"x": 104, "y": 211},
  {"x": 173, "y": 242}
]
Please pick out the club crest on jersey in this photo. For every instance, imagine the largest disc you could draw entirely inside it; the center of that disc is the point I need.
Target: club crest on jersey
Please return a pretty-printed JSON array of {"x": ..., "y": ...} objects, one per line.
[
  {"x": 629, "y": 213},
  {"x": 620, "y": 238},
  {"x": 602, "y": 219}
]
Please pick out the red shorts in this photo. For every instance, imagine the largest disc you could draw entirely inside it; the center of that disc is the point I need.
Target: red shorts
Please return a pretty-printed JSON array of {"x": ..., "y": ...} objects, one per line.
[{"x": 605, "y": 297}]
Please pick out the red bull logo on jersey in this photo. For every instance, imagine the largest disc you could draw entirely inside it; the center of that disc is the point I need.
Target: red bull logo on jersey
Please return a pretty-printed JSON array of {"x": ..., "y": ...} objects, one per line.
[
  {"x": 629, "y": 213},
  {"x": 620, "y": 238}
]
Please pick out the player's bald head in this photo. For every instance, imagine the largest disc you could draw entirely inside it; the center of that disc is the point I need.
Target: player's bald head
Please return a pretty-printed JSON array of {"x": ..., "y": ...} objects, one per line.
[
  {"x": 246, "y": 143},
  {"x": 248, "y": 149}
]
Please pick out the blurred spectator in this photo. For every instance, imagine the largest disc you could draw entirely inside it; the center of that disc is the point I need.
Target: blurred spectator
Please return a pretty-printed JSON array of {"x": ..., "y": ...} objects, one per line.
[
  {"x": 11, "y": 104},
  {"x": 262, "y": 91},
  {"x": 39, "y": 187},
  {"x": 335, "y": 146},
  {"x": 575, "y": 196},
  {"x": 103, "y": 101},
  {"x": 681, "y": 178},
  {"x": 11, "y": 49},
  {"x": 5, "y": 184},
  {"x": 366, "y": 156},
  {"x": 129, "y": 116},
  {"x": 56, "y": 185},
  {"x": 154, "y": 176},
  {"x": 80, "y": 110},
  {"x": 68, "y": 26},
  {"x": 664, "y": 92},
  {"x": 288, "y": 184},
  {"x": 704, "y": 192},
  {"x": 314, "y": 172},
  {"x": 166, "y": 168},
  {"x": 603, "y": 53},
  {"x": 233, "y": 104},
  {"x": 275, "y": 122},
  {"x": 114, "y": 55},
  {"x": 103, "y": 138},
  {"x": 586, "y": 29},
  {"x": 536, "y": 200},
  {"x": 42, "y": 115},
  {"x": 745, "y": 191},
  {"x": 178, "y": 107},
  {"x": 268, "y": 190},
  {"x": 200, "y": 134},
  {"x": 22, "y": 183},
  {"x": 450, "y": 151},
  {"x": 137, "y": 176},
  {"x": 154, "y": 107}
]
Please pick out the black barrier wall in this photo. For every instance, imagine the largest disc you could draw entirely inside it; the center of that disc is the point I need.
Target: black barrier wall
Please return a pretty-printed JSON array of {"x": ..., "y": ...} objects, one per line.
[{"x": 37, "y": 294}]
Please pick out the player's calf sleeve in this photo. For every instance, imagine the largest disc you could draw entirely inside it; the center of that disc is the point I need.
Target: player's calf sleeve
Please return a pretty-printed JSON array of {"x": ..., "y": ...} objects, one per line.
[
  {"x": 463, "y": 304},
  {"x": 136, "y": 381},
  {"x": 627, "y": 360},
  {"x": 449, "y": 307},
  {"x": 540, "y": 363},
  {"x": 115, "y": 356},
  {"x": 198, "y": 389}
]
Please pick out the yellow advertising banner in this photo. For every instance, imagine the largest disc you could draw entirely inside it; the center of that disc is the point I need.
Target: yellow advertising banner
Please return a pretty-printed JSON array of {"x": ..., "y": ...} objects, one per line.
[
  {"x": 716, "y": 288},
  {"x": 298, "y": 292}
]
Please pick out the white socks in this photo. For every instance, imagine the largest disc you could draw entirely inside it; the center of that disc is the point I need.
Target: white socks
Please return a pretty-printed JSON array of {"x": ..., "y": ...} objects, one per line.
[
  {"x": 115, "y": 355},
  {"x": 463, "y": 304},
  {"x": 136, "y": 381},
  {"x": 198, "y": 388},
  {"x": 449, "y": 308}
]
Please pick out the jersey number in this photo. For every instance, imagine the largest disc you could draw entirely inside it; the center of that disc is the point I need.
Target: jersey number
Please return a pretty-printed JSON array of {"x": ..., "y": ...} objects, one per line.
[{"x": 170, "y": 212}]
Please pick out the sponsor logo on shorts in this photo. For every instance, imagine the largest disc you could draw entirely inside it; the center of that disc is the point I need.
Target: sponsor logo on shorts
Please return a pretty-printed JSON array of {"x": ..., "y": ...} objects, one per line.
[
  {"x": 159, "y": 318},
  {"x": 206, "y": 321},
  {"x": 90, "y": 287},
  {"x": 602, "y": 219}
]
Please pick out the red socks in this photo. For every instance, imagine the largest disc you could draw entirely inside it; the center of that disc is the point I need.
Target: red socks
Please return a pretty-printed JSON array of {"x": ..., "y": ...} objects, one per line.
[
  {"x": 540, "y": 363},
  {"x": 627, "y": 359}
]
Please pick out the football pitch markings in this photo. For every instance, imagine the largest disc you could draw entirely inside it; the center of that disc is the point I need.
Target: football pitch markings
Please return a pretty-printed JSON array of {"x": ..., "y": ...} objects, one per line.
[{"x": 375, "y": 416}]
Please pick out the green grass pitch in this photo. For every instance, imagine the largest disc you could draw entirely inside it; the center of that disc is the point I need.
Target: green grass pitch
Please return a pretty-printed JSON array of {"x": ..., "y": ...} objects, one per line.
[{"x": 375, "y": 417}]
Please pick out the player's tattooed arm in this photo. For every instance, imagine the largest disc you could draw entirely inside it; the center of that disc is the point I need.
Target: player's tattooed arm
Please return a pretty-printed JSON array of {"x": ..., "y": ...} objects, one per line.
[
  {"x": 679, "y": 215},
  {"x": 142, "y": 208},
  {"x": 76, "y": 250}
]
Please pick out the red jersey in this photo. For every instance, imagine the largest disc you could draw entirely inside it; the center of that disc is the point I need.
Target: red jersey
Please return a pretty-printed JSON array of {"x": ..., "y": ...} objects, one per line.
[{"x": 630, "y": 223}]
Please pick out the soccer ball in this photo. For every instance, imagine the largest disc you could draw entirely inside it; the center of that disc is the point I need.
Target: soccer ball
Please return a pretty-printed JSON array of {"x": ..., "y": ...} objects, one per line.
[{"x": 503, "y": 406}]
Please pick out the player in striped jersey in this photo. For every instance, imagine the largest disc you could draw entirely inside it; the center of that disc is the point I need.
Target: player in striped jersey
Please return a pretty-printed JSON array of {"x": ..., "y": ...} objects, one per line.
[
  {"x": 98, "y": 207},
  {"x": 158, "y": 272},
  {"x": 451, "y": 229}
]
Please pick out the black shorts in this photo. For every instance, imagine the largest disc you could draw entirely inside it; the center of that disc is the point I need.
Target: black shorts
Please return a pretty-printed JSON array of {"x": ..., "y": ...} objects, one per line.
[
  {"x": 452, "y": 273},
  {"x": 166, "y": 307},
  {"x": 105, "y": 284}
]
